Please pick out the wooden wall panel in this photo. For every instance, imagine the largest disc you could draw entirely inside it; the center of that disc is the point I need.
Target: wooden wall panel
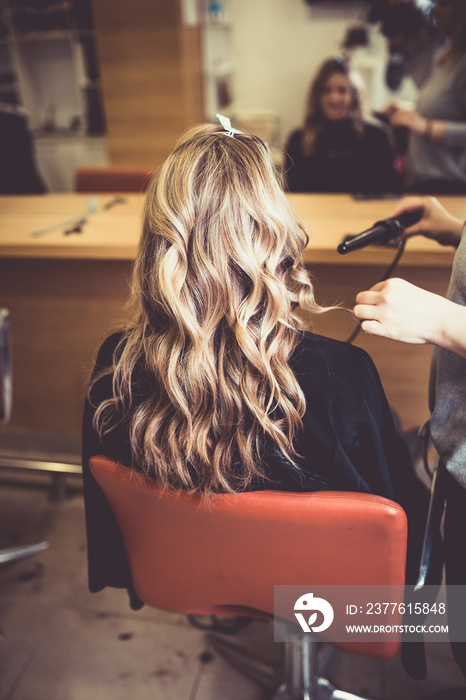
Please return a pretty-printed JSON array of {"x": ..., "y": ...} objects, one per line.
[
  {"x": 151, "y": 77},
  {"x": 61, "y": 311}
]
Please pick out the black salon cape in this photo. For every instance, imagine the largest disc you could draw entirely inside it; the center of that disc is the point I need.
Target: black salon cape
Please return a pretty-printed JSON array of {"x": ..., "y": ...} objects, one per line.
[
  {"x": 349, "y": 443},
  {"x": 342, "y": 161}
]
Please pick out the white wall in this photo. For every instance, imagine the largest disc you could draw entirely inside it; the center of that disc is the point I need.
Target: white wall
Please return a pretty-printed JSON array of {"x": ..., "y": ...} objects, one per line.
[
  {"x": 58, "y": 158},
  {"x": 278, "y": 46}
]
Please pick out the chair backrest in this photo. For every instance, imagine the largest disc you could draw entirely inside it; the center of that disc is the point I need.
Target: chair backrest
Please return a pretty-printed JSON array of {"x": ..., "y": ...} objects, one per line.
[
  {"x": 189, "y": 555},
  {"x": 113, "y": 178}
]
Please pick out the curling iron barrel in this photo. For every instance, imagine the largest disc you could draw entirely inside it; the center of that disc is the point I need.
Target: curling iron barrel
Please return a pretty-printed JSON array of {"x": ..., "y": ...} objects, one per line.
[{"x": 381, "y": 232}]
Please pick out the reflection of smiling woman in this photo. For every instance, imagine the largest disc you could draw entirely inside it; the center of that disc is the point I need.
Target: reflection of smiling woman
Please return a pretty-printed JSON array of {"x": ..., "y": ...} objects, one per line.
[{"x": 336, "y": 151}]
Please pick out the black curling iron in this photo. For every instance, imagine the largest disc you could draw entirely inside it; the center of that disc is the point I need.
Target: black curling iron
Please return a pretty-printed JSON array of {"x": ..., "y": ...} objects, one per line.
[{"x": 381, "y": 232}]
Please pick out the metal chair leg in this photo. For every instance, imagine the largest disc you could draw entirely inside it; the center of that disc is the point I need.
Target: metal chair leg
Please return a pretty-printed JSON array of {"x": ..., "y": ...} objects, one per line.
[
  {"x": 296, "y": 680},
  {"x": 14, "y": 553},
  {"x": 434, "y": 518}
]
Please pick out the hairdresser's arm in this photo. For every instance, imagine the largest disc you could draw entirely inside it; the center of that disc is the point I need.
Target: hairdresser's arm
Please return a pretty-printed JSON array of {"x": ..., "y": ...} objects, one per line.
[
  {"x": 430, "y": 129},
  {"x": 454, "y": 132},
  {"x": 398, "y": 310},
  {"x": 436, "y": 222},
  {"x": 451, "y": 133}
]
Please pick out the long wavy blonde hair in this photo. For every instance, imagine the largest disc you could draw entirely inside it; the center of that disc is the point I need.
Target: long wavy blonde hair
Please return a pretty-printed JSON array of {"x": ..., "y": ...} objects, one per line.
[{"x": 216, "y": 284}]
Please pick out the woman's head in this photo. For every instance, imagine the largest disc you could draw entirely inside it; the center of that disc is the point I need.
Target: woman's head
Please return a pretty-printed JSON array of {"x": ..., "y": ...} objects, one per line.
[
  {"x": 333, "y": 97},
  {"x": 217, "y": 279},
  {"x": 217, "y": 227},
  {"x": 333, "y": 93}
]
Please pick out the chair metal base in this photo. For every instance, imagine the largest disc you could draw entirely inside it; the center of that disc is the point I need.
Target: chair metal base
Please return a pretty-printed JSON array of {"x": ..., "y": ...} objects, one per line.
[
  {"x": 296, "y": 680},
  {"x": 323, "y": 691}
]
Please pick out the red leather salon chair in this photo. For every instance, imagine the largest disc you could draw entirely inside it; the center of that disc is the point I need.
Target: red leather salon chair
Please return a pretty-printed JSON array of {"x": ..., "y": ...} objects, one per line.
[{"x": 223, "y": 556}]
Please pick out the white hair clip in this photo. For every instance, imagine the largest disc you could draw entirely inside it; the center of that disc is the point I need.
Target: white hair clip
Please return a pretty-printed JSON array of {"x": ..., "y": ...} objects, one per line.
[{"x": 226, "y": 123}]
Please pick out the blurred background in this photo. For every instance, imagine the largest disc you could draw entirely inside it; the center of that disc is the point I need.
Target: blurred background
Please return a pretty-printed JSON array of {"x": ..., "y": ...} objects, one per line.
[{"x": 107, "y": 82}]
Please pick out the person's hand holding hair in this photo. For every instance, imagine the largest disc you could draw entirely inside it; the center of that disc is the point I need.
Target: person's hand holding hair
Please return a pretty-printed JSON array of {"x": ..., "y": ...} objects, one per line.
[
  {"x": 399, "y": 310},
  {"x": 411, "y": 119},
  {"x": 404, "y": 114}
]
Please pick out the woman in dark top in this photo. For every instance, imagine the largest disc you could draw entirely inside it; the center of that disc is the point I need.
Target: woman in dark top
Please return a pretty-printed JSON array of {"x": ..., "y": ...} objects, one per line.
[
  {"x": 214, "y": 386},
  {"x": 336, "y": 151}
]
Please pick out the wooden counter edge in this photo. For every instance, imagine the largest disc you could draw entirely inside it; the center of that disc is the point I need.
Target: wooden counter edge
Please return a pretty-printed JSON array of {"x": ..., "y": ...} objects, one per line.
[
  {"x": 50, "y": 252},
  {"x": 312, "y": 256}
]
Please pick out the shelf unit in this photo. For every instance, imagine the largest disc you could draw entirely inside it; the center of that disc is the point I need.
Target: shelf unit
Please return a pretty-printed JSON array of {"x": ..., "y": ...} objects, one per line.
[
  {"x": 48, "y": 65},
  {"x": 49, "y": 73},
  {"x": 218, "y": 59}
]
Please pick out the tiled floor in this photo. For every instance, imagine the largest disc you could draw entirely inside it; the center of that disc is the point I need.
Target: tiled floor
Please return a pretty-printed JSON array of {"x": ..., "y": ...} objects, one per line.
[{"x": 62, "y": 643}]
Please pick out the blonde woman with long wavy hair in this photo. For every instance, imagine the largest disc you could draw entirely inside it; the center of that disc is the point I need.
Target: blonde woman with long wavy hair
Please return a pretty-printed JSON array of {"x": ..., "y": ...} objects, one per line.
[{"x": 214, "y": 385}]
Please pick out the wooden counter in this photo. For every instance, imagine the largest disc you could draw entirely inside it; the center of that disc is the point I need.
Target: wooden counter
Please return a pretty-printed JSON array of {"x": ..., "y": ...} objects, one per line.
[
  {"x": 112, "y": 234},
  {"x": 66, "y": 292}
]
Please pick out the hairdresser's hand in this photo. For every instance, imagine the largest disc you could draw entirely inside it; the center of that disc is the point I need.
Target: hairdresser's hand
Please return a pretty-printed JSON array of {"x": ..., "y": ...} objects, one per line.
[
  {"x": 397, "y": 106},
  {"x": 436, "y": 221},
  {"x": 398, "y": 310},
  {"x": 409, "y": 118}
]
